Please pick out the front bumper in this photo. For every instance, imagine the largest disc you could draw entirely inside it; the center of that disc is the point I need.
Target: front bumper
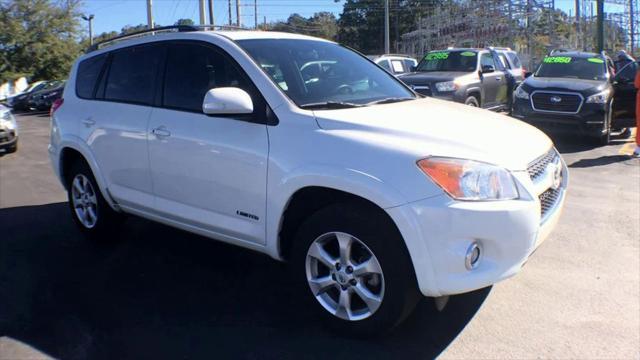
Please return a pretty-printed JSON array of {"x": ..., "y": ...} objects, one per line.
[
  {"x": 8, "y": 139},
  {"x": 588, "y": 121},
  {"x": 438, "y": 231}
]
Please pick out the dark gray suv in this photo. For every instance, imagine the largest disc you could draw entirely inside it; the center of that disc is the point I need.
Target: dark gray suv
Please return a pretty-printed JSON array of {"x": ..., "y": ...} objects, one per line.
[{"x": 475, "y": 77}]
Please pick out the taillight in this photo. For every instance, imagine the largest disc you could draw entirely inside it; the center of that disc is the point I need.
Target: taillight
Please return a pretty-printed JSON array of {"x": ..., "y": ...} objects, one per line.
[{"x": 56, "y": 105}]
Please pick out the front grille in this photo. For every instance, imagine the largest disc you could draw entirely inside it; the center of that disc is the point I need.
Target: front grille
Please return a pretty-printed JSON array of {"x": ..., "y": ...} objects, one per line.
[
  {"x": 556, "y": 102},
  {"x": 548, "y": 200},
  {"x": 539, "y": 166}
]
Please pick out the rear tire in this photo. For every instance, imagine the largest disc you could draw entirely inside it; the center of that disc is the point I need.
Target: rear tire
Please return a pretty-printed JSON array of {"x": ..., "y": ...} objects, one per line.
[
  {"x": 377, "y": 299},
  {"x": 472, "y": 101},
  {"x": 89, "y": 209}
]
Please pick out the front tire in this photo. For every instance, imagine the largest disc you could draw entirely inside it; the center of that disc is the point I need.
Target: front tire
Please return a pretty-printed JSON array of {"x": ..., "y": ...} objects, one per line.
[
  {"x": 472, "y": 101},
  {"x": 352, "y": 265},
  {"x": 89, "y": 210},
  {"x": 605, "y": 138}
]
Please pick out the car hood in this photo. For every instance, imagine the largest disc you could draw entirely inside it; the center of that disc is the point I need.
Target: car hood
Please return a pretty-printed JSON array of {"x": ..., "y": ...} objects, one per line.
[
  {"x": 432, "y": 127},
  {"x": 579, "y": 85},
  {"x": 416, "y": 78}
]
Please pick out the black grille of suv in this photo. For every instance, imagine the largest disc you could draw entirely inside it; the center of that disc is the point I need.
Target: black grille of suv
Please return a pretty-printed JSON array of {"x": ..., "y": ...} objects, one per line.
[
  {"x": 539, "y": 166},
  {"x": 566, "y": 103},
  {"x": 548, "y": 200}
]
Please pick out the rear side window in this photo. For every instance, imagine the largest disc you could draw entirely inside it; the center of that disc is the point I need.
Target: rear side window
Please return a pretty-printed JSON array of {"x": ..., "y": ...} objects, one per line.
[
  {"x": 191, "y": 71},
  {"x": 385, "y": 65},
  {"x": 515, "y": 60},
  {"x": 398, "y": 66},
  {"x": 88, "y": 73},
  {"x": 132, "y": 74},
  {"x": 408, "y": 64}
]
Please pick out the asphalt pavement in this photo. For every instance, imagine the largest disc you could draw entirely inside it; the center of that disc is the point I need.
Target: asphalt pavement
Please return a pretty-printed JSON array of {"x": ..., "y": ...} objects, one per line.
[{"x": 158, "y": 292}]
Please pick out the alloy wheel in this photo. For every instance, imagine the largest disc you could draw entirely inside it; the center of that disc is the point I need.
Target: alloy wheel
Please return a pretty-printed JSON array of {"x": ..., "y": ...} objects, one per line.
[
  {"x": 84, "y": 201},
  {"x": 345, "y": 276}
]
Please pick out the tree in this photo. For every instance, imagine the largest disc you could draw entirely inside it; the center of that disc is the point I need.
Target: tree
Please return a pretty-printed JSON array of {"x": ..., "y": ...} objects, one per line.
[
  {"x": 185, "y": 22},
  {"x": 38, "y": 38},
  {"x": 361, "y": 24},
  {"x": 321, "y": 24}
]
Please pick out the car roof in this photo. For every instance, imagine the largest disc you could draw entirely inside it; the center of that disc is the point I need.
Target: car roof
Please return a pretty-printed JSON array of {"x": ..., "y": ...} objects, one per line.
[{"x": 253, "y": 34}]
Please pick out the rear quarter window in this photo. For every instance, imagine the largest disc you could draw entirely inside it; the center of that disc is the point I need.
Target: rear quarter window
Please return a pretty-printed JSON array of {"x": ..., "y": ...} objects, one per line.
[{"x": 88, "y": 73}]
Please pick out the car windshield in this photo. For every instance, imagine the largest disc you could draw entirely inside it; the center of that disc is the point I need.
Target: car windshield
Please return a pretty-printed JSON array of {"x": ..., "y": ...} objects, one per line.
[
  {"x": 319, "y": 74},
  {"x": 465, "y": 61},
  {"x": 586, "y": 68}
]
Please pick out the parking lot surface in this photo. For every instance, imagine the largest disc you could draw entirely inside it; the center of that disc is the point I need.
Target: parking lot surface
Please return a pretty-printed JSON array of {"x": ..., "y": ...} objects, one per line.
[{"x": 157, "y": 292}]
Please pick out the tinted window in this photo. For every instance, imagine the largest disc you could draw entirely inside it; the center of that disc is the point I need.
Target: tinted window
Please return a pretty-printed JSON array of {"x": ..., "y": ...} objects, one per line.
[
  {"x": 408, "y": 64},
  {"x": 487, "y": 60},
  {"x": 341, "y": 75},
  {"x": 132, "y": 74},
  {"x": 385, "y": 65},
  {"x": 192, "y": 70},
  {"x": 515, "y": 60},
  {"x": 628, "y": 72},
  {"x": 465, "y": 61},
  {"x": 88, "y": 72},
  {"x": 572, "y": 68}
]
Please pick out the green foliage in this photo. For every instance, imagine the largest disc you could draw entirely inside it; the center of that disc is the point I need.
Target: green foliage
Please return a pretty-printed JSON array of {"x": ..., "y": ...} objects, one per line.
[
  {"x": 38, "y": 38},
  {"x": 322, "y": 24},
  {"x": 361, "y": 24},
  {"x": 185, "y": 22}
]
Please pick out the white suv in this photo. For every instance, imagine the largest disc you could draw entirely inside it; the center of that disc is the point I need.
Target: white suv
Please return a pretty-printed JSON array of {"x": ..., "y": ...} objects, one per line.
[{"x": 374, "y": 195}]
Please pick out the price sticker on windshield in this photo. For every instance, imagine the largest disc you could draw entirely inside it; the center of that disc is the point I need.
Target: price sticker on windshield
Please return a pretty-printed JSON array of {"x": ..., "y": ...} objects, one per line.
[
  {"x": 437, "y": 56},
  {"x": 557, "y": 60},
  {"x": 595, "y": 60},
  {"x": 468, "y": 53}
]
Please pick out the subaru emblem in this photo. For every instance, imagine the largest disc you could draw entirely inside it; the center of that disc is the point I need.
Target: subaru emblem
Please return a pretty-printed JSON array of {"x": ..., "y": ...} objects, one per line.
[{"x": 555, "y": 99}]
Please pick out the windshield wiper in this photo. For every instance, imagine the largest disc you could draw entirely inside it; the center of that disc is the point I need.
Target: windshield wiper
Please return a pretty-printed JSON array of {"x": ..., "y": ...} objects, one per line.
[
  {"x": 390, "y": 100},
  {"x": 330, "y": 105}
]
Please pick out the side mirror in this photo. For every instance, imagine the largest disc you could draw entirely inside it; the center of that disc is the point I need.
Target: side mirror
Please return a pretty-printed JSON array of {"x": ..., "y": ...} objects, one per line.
[
  {"x": 227, "y": 100},
  {"x": 488, "y": 69},
  {"x": 527, "y": 74}
]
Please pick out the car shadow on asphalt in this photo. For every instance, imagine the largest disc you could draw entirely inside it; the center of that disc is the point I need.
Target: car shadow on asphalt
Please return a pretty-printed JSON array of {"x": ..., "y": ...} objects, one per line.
[
  {"x": 602, "y": 161},
  {"x": 158, "y": 292}
]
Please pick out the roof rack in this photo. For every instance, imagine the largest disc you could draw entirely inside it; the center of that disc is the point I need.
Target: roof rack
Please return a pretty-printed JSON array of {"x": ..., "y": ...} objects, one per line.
[{"x": 162, "y": 29}]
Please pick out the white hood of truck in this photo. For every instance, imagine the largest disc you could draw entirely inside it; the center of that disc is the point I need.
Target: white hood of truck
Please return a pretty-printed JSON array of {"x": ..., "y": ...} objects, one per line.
[{"x": 432, "y": 127}]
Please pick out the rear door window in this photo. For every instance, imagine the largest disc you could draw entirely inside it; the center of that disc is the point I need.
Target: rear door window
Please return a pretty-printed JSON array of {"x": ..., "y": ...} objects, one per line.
[
  {"x": 398, "y": 66},
  {"x": 88, "y": 73},
  {"x": 515, "y": 60},
  {"x": 132, "y": 74},
  {"x": 194, "y": 69},
  {"x": 504, "y": 60}
]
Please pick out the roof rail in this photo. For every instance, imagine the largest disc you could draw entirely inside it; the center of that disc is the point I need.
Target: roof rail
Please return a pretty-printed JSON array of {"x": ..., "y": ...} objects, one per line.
[{"x": 172, "y": 28}]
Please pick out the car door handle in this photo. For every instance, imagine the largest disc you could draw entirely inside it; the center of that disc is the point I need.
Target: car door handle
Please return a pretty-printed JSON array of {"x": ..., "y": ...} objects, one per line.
[
  {"x": 88, "y": 122},
  {"x": 498, "y": 78},
  {"x": 161, "y": 132}
]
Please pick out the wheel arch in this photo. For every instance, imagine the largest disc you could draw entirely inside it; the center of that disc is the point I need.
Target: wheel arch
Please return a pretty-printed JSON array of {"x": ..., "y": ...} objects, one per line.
[{"x": 70, "y": 152}]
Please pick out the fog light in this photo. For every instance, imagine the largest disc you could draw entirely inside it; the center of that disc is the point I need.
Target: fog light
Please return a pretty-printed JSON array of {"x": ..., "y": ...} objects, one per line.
[{"x": 472, "y": 258}]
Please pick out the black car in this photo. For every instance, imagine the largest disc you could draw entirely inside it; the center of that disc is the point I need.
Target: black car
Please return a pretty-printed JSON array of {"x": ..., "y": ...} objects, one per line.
[
  {"x": 43, "y": 99},
  {"x": 19, "y": 101},
  {"x": 576, "y": 92},
  {"x": 475, "y": 77},
  {"x": 34, "y": 99}
]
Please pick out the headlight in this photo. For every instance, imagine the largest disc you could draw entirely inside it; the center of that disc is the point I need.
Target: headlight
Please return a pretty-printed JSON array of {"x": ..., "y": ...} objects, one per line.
[
  {"x": 7, "y": 121},
  {"x": 470, "y": 180},
  {"x": 521, "y": 94},
  {"x": 599, "y": 98},
  {"x": 446, "y": 86}
]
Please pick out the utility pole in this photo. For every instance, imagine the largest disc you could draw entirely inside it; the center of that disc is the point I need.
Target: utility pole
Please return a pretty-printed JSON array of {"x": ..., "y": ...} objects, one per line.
[
  {"x": 149, "y": 15},
  {"x": 211, "y": 18},
  {"x": 255, "y": 13},
  {"x": 90, "y": 20},
  {"x": 238, "y": 20},
  {"x": 201, "y": 12},
  {"x": 264, "y": 23},
  {"x": 230, "y": 20},
  {"x": 632, "y": 28},
  {"x": 600, "y": 14},
  {"x": 578, "y": 29},
  {"x": 386, "y": 26}
]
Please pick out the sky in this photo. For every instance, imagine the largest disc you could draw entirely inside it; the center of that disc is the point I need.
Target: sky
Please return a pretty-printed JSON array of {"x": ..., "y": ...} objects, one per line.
[{"x": 113, "y": 15}]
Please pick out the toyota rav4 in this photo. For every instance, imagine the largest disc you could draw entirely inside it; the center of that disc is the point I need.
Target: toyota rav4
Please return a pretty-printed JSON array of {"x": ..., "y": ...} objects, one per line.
[{"x": 344, "y": 172}]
